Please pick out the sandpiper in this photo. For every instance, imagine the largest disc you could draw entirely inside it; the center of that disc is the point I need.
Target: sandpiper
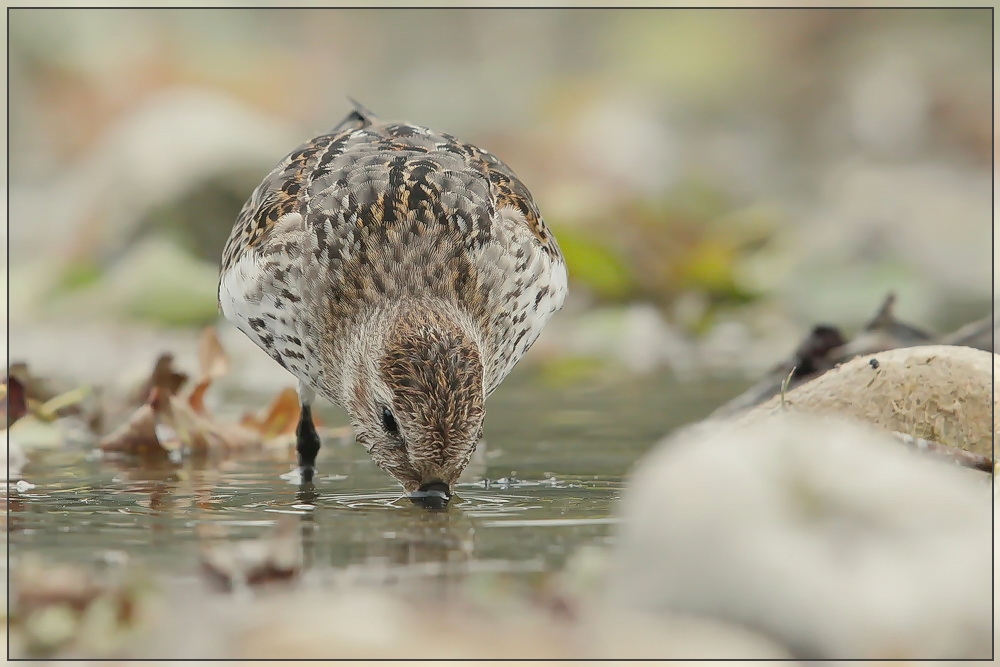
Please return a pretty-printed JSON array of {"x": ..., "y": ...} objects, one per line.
[{"x": 400, "y": 273}]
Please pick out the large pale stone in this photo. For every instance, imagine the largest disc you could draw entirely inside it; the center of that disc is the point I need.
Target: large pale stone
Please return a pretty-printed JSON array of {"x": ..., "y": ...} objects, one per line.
[
  {"x": 824, "y": 534},
  {"x": 942, "y": 393}
]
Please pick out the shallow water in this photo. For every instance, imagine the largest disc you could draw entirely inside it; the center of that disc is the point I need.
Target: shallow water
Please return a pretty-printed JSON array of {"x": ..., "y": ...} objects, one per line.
[{"x": 553, "y": 470}]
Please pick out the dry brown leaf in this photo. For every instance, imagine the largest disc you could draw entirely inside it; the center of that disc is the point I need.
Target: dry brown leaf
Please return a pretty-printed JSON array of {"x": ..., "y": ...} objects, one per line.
[
  {"x": 213, "y": 364},
  {"x": 136, "y": 436},
  {"x": 212, "y": 358},
  {"x": 198, "y": 433},
  {"x": 281, "y": 419},
  {"x": 164, "y": 377},
  {"x": 196, "y": 399},
  {"x": 169, "y": 421}
]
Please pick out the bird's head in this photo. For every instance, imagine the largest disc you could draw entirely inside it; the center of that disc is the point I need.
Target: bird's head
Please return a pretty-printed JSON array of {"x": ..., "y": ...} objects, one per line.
[{"x": 417, "y": 404}]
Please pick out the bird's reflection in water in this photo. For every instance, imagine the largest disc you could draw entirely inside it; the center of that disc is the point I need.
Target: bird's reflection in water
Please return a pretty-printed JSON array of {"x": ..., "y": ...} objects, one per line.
[
  {"x": 433, "y": 537},
  {"x": 390, "y": 541},
  {"x": 434, "y": 548},
  {"x": 307, "y": 494}
]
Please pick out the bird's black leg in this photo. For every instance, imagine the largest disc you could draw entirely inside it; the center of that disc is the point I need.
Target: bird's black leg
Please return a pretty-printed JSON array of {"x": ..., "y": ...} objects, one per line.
[
  {"x": 306, "y": 438},
  {"x": 306, "y": 444}
]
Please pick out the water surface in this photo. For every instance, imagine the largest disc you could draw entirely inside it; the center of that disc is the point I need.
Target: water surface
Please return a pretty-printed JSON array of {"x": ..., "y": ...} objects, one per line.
[{"x": 553, "y": 470}]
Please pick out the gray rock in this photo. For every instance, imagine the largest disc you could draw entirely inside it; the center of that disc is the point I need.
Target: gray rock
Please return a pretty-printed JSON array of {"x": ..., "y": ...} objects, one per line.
[{"x": 821, "y": 533}]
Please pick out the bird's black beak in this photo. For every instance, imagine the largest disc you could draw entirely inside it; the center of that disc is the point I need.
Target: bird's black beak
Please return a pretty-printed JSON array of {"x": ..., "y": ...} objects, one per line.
[{"x": 433, "y": 495}]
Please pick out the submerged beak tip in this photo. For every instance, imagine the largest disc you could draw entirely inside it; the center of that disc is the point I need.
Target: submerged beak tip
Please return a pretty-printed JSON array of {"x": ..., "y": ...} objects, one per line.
[{"x": 434, "y": 495}]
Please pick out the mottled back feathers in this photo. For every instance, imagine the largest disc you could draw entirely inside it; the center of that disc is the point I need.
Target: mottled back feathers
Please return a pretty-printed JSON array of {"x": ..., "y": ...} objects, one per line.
[{"x": 375, "y": 212}]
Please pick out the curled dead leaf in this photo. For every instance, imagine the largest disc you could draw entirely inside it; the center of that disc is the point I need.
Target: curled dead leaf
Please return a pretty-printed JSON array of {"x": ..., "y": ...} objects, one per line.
[
  {"x": 197, "y": 433},
  {"x": 197, "y": 397},
  {"x": 137, "y": 436},
  {"x": 168, "y": 421},
  {"x": 213, "y": 362},
  {"x": 212, "y": 358},
  {"x": 164, "y": 377},
  {"x": 281, "y": 419}
]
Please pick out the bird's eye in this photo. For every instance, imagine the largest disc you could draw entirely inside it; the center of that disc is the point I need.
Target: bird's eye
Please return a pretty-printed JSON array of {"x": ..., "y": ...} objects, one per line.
[{"x": 389, "y": 422}]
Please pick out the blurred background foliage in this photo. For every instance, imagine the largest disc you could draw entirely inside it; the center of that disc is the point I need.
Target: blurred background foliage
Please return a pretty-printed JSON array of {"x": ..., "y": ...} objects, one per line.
[{"x": 718, "y": 180}]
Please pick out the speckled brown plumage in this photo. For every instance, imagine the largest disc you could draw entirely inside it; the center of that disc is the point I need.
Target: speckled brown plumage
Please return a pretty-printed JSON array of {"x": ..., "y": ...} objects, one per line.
[{"x": 389, "y": 266}]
